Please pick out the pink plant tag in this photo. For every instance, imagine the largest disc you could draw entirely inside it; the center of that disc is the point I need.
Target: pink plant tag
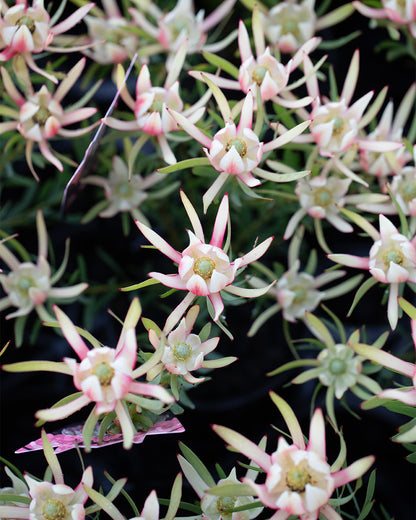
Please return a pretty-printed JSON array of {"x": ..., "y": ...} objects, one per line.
[{"x": 69, "y": 438}]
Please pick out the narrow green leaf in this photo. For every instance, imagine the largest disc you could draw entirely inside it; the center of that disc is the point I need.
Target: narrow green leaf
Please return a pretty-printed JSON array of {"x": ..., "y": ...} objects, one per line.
[
  {"x": 366, "y": 286},
  {"x": 33, "y": 366},
  {"x": 183, "y": 165},
  {"x": 146, "y": 283},
  {"x": 229, "y": 490},
  {"x": 221, "y": 63},
  {"x": 88, "y": 429},
  {"x": 197, "y": 464}
]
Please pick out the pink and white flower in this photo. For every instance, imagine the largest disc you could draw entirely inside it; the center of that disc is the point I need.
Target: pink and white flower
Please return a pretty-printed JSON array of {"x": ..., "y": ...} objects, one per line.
[
  {"x": 392, "y": 362},
  {"x": 28, "y": 30},
  {"x": 405, "y": 395},
  {"x": 58, "y": 501},
  {"x": 291, "y": 23},
  {"x": 183, "y": 24},
  {"x": 152, "y": 105},
  {"x": 104, "y": 376},
  {"x": 390, "y": 128},
  {"x": 184, "y": 351},
  {"x": 264, "y": 72},
  {"x": 392, "y": 260},
  {"x": 203, "y": 269},
  {"x": 215, "y": 507},
  {"x": 40, "y": 115},
  {"x": 29, "y": 285},
  {"x": 299, "y": 480},
  {"x": 51, "y": 501},
  {"x": 111, "y": 37},
  {"x": 235, "y": 150},
  {"x": 402, "y": 188},
  {"x": 322, "y": 196},
  {"x": 401, "y": 12},
  {"x": 337, "y": 125}
]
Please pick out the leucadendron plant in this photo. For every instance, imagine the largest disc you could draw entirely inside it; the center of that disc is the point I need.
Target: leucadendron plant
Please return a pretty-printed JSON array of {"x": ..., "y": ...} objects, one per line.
[{"x": 259, "y": 149}]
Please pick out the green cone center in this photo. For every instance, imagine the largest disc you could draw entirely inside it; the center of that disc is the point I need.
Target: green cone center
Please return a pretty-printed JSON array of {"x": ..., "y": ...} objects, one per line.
[
  {"x": 156, "y": 106},
  {"x": 225, "y": 503},
  {"x": 104, "y": 373},
  {"x": 41, "y": 116},
  {"x": 178, "y": 26},
  {"x": 258, "y": 74},
  {"x": 25, "y": 283},
  {"x": 29, "y": 22},
  {"x": 300, "y": 294},
  {"x": 323, "y": 197},
  {"x": 337, "y": 366},
  {"x": 393, "y": 256},
  {"x": 338, "y": 125},
  {"x": 290, "y": 26},
  {"x": 297, "y": 478},
  {"x": 182, "y": 351},
  {"x": 54, "y": 509},
  {"x": 239, "y": 145},
  {"x": 124, "y": 189},
  {"x": 204, "y": 267},
  {"x": 409, "y": 191}
]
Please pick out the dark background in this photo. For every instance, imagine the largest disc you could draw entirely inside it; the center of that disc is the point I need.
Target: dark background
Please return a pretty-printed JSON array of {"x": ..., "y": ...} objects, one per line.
[{"x": 237, "y": 396}]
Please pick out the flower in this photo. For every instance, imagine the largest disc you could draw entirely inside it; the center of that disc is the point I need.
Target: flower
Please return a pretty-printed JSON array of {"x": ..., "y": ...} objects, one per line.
[
  {"x": 152, "y": 105},
  {"x": 382, "y": 164},
  {"x": 183, "y": 350},
  {"x": 151, "y": 508},
  {"x": 337, "y": 366},
  {"x": 385, "y": 359},
  {"x": 18, "y": 487},
  {"x": 322, "y": 196},
  {"x": 28, "y": 286},
  {"x": 40, "y": 115},
  {"x": 235, "y": 149},
  {"x": 289, "y": 24},
  {"x": 110, "y": 35},
  {"x": 215, "y": 507},
  {"x": 392, "y": 260},
  {"x": 28, "y": 30},
  {"x": 56, "y": 501},
  {"x": 123, "y": 192},
  {"x": 299, "y": 480},
  {"x": 401, "y": 12},
  {"x": 105, "y": 376},
  {"x": 181, "y": 24},
  {"x": 51, "y": 501},
  {"x": 402, "y": 188},
  {"x": 263, "y": 72},
  {"x": 297, "y": 293},
  {"x": 203, "y": 269},
  {"x": 336, "y": 124}
]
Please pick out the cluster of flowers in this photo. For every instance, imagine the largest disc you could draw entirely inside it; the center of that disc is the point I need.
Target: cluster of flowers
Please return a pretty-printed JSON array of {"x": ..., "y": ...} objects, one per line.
[{"x": 340, "y": 164}]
